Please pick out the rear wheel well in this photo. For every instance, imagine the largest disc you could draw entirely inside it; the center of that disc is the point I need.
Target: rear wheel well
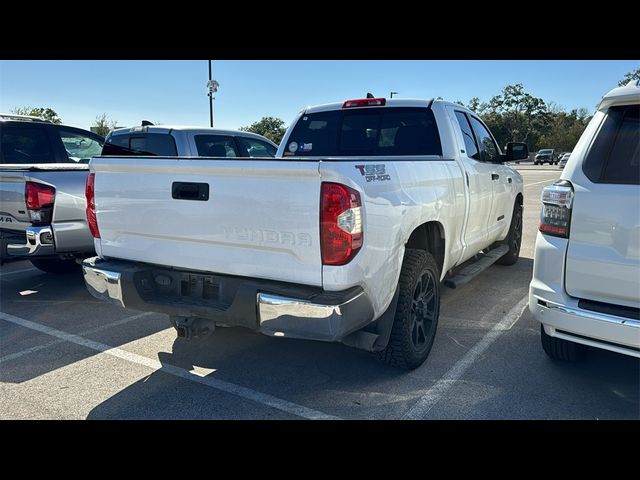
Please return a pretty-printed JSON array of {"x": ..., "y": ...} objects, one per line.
[
  {"x": 519, "y": 199},
  {"x": 429, "y": 237}
]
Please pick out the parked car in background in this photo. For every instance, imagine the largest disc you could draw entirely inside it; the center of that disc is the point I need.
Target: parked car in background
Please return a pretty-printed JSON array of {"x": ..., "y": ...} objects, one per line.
[
  {"x": 43, "y": 171},
  {"x": 344, "y": 236},
  {"x": 546, "y": 155},
  {"x": 167, "y": 140},
  {"x": 585, "y": 289},
  {"x": 562, "y": 160}
]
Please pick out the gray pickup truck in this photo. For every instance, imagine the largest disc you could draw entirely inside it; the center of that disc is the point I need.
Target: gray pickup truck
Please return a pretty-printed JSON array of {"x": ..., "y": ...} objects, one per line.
[{"x": 43, "y": 172}]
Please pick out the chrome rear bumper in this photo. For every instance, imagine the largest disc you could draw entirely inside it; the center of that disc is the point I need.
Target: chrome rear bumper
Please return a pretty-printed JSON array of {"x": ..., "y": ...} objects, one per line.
[
  {"x": 38, "y": 242},
  {"x": 273, "y": 308}
]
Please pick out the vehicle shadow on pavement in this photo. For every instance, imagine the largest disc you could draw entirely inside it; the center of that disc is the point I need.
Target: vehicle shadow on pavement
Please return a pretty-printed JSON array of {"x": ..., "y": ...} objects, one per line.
[
  {"x": 312, "y": 374},
  {"x": 60, "y": 302}
]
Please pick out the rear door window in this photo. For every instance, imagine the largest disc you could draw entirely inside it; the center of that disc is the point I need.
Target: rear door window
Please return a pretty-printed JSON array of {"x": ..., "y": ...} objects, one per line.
[
  {"x": 79, "y": 147},
  {"x": 366, "y": 132},
  {"x": 25, "y": 144},
  {"x": 614, "y": 156},
  {"x": 256, "y": 148},
  {"x": 216, "y": 146},
  {"x": 142, "y": 144},
  {"x": 467, "y": 133}
]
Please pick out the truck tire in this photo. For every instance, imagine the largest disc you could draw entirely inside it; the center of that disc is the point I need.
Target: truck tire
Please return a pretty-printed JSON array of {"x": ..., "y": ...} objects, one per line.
[
  {"x": 560, "y": 349},
  {"x": 416, "y": 318},
  {"x": 55, "y": 265},
  {"x": 514, "y": 237}
]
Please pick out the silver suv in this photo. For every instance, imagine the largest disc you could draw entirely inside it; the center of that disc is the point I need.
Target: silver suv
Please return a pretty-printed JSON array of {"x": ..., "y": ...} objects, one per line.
[{"x": 171, "y": 141}]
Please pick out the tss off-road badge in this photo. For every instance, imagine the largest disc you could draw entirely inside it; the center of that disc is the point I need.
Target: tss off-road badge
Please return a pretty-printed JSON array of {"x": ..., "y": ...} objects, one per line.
[{"x": 374, "y": 173}]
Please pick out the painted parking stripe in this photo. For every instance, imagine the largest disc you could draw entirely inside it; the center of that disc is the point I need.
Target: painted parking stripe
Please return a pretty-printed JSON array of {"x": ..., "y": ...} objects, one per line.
[
  {"x": 422, "y": 407},
  {"x": 243, "y": 392},
  {"x": 24, "y": 270},
  {"x": 106, "y": 326}
]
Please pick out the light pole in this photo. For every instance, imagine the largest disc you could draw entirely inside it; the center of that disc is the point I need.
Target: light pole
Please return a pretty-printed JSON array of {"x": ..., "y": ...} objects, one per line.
[
  {"x": 212, "y": 85},
  {"x": 392, "y": 94}
]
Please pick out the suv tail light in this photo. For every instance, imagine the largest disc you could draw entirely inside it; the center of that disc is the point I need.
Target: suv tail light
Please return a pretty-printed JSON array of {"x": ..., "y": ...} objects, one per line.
[
  {"x": 340, "y": 223},
  {"x": 39, "y": 199},
  {"x": 557, "y": 200},
  {"x": 89, "y": 192}
]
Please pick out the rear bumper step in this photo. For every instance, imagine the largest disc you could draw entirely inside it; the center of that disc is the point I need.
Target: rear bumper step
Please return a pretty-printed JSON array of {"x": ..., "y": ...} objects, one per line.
[
  {"x": 35, "y": 242},
  {"x": 273, "y": 308}
]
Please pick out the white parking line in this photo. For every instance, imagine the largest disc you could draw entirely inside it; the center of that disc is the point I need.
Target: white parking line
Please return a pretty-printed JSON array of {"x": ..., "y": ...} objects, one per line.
[
  {"x": 6, "y": 274},
  {"x": 243, "y": 392},
  {"x": 422, "y": 407},
  {"x": 106, "y": 326}
]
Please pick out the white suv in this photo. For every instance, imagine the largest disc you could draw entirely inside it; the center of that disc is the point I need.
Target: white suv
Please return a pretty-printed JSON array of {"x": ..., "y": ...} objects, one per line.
[{"x": 586, "y": 276}]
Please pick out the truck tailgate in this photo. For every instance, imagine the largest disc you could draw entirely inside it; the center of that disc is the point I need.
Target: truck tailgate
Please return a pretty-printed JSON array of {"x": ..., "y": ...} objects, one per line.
[{"x": 261, "y": 218}]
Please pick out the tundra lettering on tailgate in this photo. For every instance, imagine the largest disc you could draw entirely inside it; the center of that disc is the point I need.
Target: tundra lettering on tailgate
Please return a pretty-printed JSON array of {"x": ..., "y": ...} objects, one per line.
[
  {"x": 374, "y": 173},
  {"x": 256, "y": 235}
]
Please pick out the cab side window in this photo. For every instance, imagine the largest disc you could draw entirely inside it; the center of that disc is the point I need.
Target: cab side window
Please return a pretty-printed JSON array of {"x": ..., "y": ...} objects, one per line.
[
  {"x": 469, "y": 140},
  {"x": 488, "y": 149}
]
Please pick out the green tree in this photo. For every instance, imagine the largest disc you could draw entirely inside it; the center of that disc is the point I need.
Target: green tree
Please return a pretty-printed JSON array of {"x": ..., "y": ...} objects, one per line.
[
  {"x": 44, "y": 113},
  {"x": 632, "y": 75},
  {"x": 103, "y": 125},
  {"x": 271, "y": 127}
]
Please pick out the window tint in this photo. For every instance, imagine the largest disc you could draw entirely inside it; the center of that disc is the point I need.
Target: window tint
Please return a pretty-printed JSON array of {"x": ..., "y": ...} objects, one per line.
[
  {"x": 80, "y": 148},
  {"x": 614, "y": 156},
  {"x": 26, "y": 144},
  {"x": 370, "y": 132},
  {"x": 359, "y": 133},
  {"x": 146, "y": 144},
  {"x": 215, "y": 146},
  {"x": 256, "y": 148},
  {"x": 488, "y": 148},
  {"x": 469, "y": 142}
]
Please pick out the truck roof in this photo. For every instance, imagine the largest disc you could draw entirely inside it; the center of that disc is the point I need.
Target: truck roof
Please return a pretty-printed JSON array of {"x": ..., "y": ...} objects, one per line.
[
  {"x": 389, "y": 102},
  {"x": 629, "y": 94}
]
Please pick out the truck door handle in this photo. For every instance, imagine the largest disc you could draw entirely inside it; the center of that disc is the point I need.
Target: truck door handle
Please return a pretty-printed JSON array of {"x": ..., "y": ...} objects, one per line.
[
  {"x": 190, "y": 191},
  {"x": 495, "y": 176}
]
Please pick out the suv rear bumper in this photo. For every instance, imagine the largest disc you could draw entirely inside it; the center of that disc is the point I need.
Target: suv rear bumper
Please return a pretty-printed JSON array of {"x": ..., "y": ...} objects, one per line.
[
  {"x": 273, "y": 308},
  {"x": 561, "y": 314},
  {"x": 610, "y": 332}
]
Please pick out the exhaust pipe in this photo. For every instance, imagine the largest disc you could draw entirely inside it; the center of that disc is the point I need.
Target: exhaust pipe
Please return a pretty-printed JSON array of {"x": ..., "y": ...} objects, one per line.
[{"x": 193, "y": 327}]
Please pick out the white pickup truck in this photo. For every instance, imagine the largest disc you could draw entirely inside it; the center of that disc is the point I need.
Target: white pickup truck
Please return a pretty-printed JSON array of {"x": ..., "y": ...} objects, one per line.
[{"x": 345, "y": 236}]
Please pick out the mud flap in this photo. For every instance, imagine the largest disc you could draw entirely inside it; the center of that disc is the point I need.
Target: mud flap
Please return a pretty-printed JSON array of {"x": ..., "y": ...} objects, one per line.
[{"x": 375, "y": 337}]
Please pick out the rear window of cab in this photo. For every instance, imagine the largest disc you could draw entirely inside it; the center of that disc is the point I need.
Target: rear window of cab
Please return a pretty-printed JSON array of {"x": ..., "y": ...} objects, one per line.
[{"x": 382, "y": 131}]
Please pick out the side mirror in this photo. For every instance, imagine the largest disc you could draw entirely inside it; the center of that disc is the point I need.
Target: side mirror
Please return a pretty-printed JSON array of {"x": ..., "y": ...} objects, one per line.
[{"x": 516, "y": 151}]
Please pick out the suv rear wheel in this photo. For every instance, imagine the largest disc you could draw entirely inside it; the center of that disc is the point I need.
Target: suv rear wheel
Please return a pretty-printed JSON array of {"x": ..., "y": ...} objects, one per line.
[{"x": 560, "y": 349}]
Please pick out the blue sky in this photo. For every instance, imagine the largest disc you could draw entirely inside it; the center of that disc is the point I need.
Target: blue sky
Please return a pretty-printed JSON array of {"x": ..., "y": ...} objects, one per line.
[{"x": 175, "y": 91}]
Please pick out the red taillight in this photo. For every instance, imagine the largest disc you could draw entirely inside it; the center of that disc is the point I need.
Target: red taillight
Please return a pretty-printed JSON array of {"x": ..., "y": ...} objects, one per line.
[
  {"x": 555, "y": 217},
  {"x": 39, "y": 199},
  {"x": 365, "y": 102},
  {"x": 340, "y": 223},
  {"x": 89, "y": 192}
]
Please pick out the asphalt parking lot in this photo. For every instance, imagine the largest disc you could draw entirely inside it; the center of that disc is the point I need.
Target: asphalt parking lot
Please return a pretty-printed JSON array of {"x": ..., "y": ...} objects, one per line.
[{"x": 65, "y": 355}]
